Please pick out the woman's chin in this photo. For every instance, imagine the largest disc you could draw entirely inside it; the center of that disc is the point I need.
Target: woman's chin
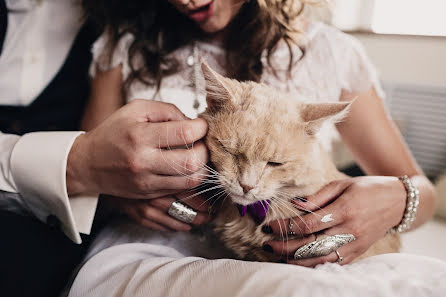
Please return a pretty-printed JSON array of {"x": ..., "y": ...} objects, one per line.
[{"x": 211, "y": 27}]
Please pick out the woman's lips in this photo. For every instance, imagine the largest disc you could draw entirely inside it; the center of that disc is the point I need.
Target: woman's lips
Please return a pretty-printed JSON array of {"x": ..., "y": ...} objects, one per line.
[{"x": 202, "y": 13}]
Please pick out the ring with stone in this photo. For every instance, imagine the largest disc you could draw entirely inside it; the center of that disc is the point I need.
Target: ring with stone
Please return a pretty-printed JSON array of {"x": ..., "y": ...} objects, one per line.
[{"x": 182, "y": 212}]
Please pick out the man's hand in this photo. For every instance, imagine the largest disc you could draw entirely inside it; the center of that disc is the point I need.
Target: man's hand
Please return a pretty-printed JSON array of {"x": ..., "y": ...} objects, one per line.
[{"x": 130, "y": 155}]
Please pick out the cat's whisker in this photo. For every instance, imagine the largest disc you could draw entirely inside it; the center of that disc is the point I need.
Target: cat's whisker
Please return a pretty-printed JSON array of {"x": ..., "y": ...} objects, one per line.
[
  {"x": 215, "y": 173},
  {"x": 203, "y": 185},
  {"x": 218, "y": 194},
  {"x": 201, "y": 192},
  {"x": 283, "y": 235},
  {"x": 272, "y": 207},
  {"x": 204, "y": 165},
  {"x": 274, "y": 211},
  {"x": 287, "y": 205},
  {"x": 289, "y": 196},
  {"x": 291, "y": 208}
]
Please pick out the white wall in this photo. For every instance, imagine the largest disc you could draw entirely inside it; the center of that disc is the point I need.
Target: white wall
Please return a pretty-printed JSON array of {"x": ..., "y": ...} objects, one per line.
[{"x": 408, "y": 59}]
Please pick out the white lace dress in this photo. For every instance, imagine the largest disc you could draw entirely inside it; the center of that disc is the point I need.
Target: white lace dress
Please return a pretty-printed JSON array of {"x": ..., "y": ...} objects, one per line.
[
  {"x": 333, "y": 61},
  {"x": 128, "y": 260}
]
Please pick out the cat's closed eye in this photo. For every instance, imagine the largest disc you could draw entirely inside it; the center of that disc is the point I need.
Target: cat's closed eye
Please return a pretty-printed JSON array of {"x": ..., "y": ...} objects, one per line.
[
  {"x": 225, "y": 147},
  {"x": 274, "y": 164}
]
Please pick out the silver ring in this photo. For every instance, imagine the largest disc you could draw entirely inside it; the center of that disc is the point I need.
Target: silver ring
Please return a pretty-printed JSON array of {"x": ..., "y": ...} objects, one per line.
[
  {"x": 290, "y": 227},
  {"x": 340, "y": 258},
  {"x": 182, "y": 212},
  {"x": 323, "y": 247}
]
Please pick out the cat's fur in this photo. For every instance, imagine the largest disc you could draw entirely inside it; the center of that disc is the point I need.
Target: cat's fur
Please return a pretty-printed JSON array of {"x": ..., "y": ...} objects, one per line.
[{"x": 251, "y": 124}]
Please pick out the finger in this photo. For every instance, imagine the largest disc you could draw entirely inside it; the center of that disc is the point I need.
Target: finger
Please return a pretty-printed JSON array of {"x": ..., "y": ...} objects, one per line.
[
  {"x": 161, "y": 193},
  {"x": 180, "y": 161},
  {"x": 164, "y": 204},
  {"x": 179, "y": 183},
  {"x": 348, "y": 253},
  {"x": 327, "y": 217},
  {"x": 152, "y": 225},
  {"x": 324, "y": 196},
  {"x": 287, "y": 248},
  {"x": 312, "y": 262},
  {"x": 195, "y": 200},
  {"x": 131, "y": 209},
  {"x": 176, "y": 133},
  {"x": 149, "y": 212},
  {"x": 154, "y": 111}
]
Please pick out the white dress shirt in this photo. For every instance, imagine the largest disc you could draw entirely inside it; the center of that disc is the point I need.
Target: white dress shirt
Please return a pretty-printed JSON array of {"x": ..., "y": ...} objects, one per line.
[{"x": 39, "y": 36}]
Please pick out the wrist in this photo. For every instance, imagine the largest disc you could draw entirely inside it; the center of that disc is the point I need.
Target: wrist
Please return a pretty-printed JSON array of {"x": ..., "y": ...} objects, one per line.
[
  {"x": 77, "y": 168},
  {"x": 412, "y": 196}
]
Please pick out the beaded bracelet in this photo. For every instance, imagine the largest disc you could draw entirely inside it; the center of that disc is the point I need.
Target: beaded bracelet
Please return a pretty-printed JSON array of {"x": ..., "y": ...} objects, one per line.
[{"x": 413, "y": 199}]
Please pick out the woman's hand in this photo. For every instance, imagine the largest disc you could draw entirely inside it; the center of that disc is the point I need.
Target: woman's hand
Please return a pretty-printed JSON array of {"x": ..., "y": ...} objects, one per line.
[
  {"x": 153, "y": 214},
  {"x": 366, "y": 207}
]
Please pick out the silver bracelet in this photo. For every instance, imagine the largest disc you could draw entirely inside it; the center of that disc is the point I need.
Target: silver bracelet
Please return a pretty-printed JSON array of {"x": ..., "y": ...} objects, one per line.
[{"x": 412, "y": 201}]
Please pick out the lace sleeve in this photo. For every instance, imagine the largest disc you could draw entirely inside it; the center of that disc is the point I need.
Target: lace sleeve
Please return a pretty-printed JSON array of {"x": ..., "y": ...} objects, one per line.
[
  {"x": 104, "y": 59},
  {"x": 354, "y": 70}
]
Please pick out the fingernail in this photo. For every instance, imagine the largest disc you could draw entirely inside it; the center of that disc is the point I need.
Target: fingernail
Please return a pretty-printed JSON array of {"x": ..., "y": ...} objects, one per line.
[
  {"x": 267, "y": 229},
  {"x": 268, "y": 248},
  {"x": 300, "y": 198},
  {"x": 281, "y": 261}
]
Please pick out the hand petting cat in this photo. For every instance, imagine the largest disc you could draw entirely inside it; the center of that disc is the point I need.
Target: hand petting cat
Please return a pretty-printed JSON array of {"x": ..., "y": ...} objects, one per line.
[{"x": 366, "y": 207}]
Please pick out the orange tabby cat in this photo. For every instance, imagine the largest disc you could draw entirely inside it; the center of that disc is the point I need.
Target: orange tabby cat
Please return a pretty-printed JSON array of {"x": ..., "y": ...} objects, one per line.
[{"x": 263, "y": 145}]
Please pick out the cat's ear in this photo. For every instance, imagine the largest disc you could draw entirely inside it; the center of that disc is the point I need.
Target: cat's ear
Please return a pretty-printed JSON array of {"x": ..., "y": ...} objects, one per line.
[
  {"x": 315, "y": 114},
  {"x": 219, "y": 89}
]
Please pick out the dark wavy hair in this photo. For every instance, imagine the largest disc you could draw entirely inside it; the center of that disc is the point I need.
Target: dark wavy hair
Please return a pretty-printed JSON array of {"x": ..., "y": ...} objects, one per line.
[{"x": 159, "y": 29}]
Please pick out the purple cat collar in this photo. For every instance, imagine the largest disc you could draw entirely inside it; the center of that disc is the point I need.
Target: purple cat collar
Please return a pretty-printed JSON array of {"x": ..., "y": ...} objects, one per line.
[{"x": 257, "y": 210}]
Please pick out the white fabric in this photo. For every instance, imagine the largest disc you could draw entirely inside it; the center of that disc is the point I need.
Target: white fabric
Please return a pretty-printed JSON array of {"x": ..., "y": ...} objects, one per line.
[
  {"x": 7, "y": 143},
  {"x": 134, "y": 270},
  {"x": 333, "y": 61},
  {"x": 35, "y": 47},
  {"x": 32, "y": 167},
  {"x": 45, "y": 192}
]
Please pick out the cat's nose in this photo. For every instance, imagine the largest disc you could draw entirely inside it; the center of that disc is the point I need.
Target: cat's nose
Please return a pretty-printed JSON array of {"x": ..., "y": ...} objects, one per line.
[{"x": 246, "y": 188}]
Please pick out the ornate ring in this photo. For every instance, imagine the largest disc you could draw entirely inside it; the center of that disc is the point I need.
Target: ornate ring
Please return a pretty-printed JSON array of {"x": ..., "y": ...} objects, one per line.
[
  {"x": 323, "y": 247},
  {"x": 340, "y": 258},
  {"x": 182, "y": 212},
  {"x": 290, "y": 227}
]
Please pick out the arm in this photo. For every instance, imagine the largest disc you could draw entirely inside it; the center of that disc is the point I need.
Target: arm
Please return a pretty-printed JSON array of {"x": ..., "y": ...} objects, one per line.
[
  {"x": 106, "y": 97},
  {"x": 368, "y": 206},
  {"x": 379, "y": 148},
  {"x": 52, "y": 172},
  {"x": 48, "y": 193},
  {"x": 26, "y": 187}
]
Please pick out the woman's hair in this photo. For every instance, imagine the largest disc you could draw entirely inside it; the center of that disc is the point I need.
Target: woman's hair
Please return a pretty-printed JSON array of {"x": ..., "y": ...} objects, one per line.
[{"x": 159, "y": 29}]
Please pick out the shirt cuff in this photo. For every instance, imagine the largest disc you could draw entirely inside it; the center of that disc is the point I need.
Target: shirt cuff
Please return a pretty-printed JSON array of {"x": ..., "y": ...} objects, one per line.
[
  {"x": 7, "y": 143},
  {"x": 38, "y": 165}
]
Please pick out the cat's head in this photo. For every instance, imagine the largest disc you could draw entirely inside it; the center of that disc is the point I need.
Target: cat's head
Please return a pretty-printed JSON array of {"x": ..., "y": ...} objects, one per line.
[{"x": 263, "y": 143}]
